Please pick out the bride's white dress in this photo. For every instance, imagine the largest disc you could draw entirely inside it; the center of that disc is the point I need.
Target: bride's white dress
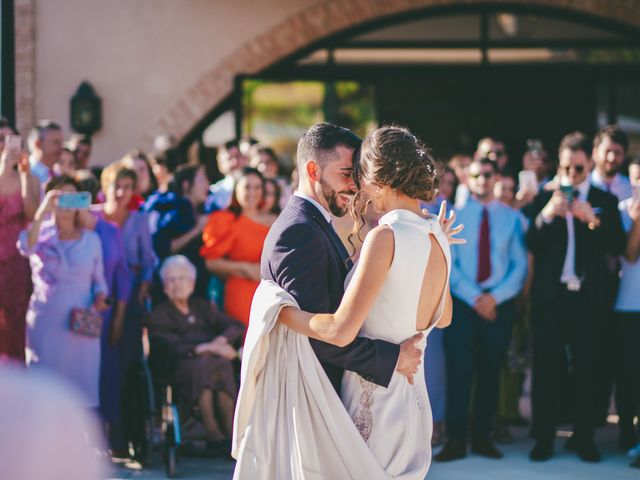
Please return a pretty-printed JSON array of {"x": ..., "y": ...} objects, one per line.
[
  {"x": 290, "y": 424},
  {"x": 396, "y": 422}
]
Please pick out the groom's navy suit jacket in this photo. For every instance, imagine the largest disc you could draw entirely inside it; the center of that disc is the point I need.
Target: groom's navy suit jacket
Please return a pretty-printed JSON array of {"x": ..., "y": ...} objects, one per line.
[{"x": 304, "y": 255}]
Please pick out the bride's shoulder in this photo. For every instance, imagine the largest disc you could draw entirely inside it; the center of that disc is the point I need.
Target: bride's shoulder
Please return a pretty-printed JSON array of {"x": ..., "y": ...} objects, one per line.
[{"x": 379, "y": 239}]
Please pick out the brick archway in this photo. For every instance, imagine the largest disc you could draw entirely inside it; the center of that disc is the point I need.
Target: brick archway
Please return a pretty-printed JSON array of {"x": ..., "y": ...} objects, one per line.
[{"x": 326, "y": 18}]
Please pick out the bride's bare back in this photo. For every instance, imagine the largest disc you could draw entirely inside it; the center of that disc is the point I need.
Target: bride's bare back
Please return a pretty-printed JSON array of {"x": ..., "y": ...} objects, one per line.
[{"x": 434, "y": 283}]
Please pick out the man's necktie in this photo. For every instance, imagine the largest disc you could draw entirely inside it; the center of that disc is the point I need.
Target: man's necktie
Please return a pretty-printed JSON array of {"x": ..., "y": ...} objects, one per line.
[{"x": 484, "y": 249}]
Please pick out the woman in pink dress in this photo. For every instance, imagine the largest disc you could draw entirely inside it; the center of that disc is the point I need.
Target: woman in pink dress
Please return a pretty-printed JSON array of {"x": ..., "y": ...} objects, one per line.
[{"x": 19, "y": 197}]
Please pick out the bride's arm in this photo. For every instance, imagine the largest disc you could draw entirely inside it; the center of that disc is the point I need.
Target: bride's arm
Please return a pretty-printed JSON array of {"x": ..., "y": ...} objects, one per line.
[{"x": 342, "y": 327}]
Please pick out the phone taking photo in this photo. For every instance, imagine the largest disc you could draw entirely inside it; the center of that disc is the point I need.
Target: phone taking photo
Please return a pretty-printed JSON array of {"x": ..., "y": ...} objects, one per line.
[
  {"x": 13, "y": 142},
  {"x": 78, "y": 200},
  {"x": 567, "y": 191},
  {"x": 527, "y": 181}
]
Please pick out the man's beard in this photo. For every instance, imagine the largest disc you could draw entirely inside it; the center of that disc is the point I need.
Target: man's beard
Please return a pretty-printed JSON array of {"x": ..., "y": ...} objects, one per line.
[{"x": 331, "y": 196}]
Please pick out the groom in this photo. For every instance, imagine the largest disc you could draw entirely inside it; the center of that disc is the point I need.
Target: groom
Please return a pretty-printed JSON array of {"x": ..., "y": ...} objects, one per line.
[{"x": 304, "y": 255}]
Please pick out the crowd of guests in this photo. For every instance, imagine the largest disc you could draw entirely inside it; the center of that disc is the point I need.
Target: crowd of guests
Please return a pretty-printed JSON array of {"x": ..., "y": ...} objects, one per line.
[
  {"x": 167, "y": 250},
  {"x": 155, "y": 252},
  {"x": 550, "y": 262}
]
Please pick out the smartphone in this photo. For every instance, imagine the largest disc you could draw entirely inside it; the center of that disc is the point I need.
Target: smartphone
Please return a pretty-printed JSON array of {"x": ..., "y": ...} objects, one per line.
[
  {"x": 13, "y": 142},
  {"x": 567, "y": 191},
  {"x": 528, "y": 181},
  {"x": 534, "y": 145},
  {"x": 79, "y": 200}
]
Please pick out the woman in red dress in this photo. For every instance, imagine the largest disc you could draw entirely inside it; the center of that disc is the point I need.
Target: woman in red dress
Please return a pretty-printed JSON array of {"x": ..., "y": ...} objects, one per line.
[{"x": 233, "y": 241}]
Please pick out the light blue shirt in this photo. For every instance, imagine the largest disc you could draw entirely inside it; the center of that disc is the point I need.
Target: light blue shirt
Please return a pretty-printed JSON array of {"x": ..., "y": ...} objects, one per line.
[
  {"x": 628, "y": 298},
  {"x": 508, "y": 253},
  {"x": 220, "y": 194},
  {"x": 620, "y": 186},
  {"x": 40, "y": 170}
]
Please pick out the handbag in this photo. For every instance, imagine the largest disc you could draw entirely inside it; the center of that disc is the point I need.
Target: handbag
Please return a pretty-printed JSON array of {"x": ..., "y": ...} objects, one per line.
[{"x": 86, "y": 322}]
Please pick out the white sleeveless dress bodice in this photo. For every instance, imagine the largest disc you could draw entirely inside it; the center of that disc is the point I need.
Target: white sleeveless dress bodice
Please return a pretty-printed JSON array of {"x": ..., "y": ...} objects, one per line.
[{"x": 396, "y": 422}]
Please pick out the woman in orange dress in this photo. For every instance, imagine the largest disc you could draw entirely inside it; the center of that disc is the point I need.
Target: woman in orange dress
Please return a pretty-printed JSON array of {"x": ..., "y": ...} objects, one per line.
[{"x": 233, "y": 241}]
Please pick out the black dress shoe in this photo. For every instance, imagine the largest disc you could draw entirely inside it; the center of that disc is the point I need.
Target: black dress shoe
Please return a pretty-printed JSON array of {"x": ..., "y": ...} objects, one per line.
[
  {"x": 485, "y": 448},
  {"x": 452, "y": 450},
  {"x": 588, "y": 452},
  {"x": 541, "y": 451}
]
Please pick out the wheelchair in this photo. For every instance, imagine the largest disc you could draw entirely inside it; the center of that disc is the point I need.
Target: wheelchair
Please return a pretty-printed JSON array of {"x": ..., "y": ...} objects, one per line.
[{"x": 172, "y": 412}]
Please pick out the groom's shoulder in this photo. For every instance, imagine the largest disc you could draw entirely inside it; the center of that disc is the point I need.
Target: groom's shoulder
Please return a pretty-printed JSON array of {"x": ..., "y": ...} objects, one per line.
[{"x": 293, "y": 223}]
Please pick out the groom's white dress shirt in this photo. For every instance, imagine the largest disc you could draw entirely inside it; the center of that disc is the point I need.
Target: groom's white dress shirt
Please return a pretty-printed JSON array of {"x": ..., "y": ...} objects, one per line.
[{"x": 315, "y": 203}]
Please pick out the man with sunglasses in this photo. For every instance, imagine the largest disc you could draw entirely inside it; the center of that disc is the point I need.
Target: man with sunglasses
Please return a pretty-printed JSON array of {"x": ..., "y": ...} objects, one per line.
[
  {"x": 486, "y": 275},
  {"x": 574, "y": 229},
  {"x": 495, "y": 151}
]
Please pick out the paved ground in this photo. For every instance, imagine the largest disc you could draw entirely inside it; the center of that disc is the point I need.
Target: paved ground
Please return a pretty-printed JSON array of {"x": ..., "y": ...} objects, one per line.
[{"x": 515, "y": 465}]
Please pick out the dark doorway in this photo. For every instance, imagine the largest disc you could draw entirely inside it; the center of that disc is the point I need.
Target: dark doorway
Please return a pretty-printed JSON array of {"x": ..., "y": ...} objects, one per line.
[{"x": 450, "y": 109}]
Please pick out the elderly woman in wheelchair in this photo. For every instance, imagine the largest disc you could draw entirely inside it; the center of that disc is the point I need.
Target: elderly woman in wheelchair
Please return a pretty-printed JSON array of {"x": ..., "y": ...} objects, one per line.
[{"x": 197, "y": 346}]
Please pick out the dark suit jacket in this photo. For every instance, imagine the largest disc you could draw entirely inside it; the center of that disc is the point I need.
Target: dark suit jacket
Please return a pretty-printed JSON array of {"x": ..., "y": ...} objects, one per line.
[
  {"x": 594, "y": 248},
  {"x": 304, "y": 255}
]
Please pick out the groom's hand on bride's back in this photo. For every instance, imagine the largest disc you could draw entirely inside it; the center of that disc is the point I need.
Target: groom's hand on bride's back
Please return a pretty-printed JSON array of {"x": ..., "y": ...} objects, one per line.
[{"x": 410, "y": 357}]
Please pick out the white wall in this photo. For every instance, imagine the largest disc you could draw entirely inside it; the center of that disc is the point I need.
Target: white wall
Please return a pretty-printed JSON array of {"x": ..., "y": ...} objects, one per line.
[{"x": 140, "y": 56}]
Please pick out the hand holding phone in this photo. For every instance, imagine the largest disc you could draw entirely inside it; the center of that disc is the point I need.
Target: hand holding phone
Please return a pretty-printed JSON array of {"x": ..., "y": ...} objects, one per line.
[
  {"x": 527, "y": 181},
  {"x": 77, "y": 200},
  {"x": 13, "y": 142},
  {"x": 11, "y": 151},
  {"x": 567, "y": 191}
]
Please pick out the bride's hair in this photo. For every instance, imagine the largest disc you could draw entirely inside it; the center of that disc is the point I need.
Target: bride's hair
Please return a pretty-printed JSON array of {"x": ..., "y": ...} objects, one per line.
[{"x": 394, "y": 157}]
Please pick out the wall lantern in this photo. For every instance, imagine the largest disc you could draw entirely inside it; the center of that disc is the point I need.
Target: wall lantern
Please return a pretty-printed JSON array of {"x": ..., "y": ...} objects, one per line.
[{"x": 86, "y": 110}]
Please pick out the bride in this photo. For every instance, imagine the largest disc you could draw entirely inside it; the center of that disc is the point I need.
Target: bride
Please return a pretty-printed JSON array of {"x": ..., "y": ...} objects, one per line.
[{"x": 288, "y": 423}]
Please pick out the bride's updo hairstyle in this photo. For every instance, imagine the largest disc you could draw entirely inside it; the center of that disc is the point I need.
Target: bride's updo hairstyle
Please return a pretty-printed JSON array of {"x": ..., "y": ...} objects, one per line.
[{"x": 394, "y": 157}]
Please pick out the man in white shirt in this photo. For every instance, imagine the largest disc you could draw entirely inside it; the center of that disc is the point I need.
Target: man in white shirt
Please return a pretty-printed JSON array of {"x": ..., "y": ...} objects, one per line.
[
  {"x": 573, "y": 231},
  {"x": 609, "y": 150},
  {"x": 45, "y": 146}
]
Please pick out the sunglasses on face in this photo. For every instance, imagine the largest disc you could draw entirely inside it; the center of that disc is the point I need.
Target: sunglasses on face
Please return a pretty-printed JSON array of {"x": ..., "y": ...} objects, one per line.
[
  {"x": 577, "y": 168},
  {"x": 486, "y": 175},
  {"x": 499, "y": 153}
]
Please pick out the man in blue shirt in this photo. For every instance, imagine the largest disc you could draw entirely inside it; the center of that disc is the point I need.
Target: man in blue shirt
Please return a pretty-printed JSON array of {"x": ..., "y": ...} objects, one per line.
[
  {"x": 45, "y": 145},
  {"x": 486, "y": 275}
]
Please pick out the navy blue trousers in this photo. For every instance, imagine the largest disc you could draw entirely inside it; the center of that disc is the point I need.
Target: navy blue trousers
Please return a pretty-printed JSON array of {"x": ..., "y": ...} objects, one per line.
[{"x": 474, "y": 348}]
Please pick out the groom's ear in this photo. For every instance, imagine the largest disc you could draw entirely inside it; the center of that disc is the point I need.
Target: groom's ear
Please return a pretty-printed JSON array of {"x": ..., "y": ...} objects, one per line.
[{"x": 313, "y": 170}]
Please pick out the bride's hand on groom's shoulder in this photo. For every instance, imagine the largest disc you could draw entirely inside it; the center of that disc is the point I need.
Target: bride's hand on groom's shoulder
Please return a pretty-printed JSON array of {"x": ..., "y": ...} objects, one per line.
[{"x": 447, "y": 225}]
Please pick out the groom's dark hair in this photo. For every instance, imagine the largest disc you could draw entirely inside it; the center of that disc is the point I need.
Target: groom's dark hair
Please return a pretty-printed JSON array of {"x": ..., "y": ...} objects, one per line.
[{"x": 319, "y": 142}]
